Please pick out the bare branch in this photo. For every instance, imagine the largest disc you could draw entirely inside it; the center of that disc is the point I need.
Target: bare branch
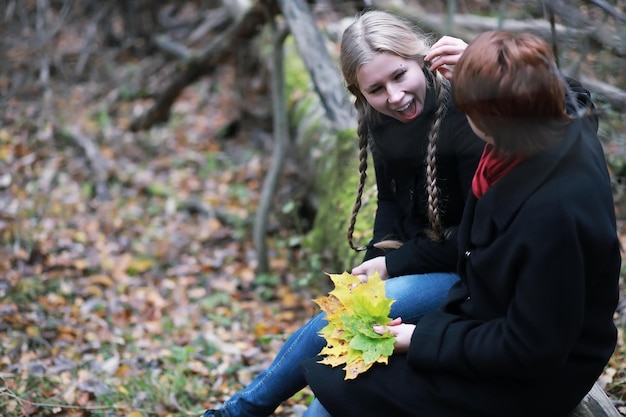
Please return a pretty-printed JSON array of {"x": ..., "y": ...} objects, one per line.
[{"x": 202, "y": 63}]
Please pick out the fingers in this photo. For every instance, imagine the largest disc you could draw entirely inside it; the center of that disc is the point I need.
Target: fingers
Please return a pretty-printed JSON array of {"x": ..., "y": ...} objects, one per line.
[
  {"x": 447, "y": 45},
  {"x": 447, "y": 73},
  {"x": 381, "y": 329},
  {"x": 360, "y": 273},
  {"x": 384, "y": 329},
  {"x": 403, "y": 337},
  {"x": 445, "y": 53},
  {"x": 369, "y": 267},
  {"x": 442, "y": 60},
  {"x": 396, "y": 321}
]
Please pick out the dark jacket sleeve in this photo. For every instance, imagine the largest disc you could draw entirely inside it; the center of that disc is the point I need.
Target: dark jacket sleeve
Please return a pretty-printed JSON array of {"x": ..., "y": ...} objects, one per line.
[{"x": 388, "y": 212}]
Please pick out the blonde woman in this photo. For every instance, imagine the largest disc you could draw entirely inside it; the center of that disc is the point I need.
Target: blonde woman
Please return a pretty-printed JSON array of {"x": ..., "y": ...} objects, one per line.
[{"x": 425, "y": 154}]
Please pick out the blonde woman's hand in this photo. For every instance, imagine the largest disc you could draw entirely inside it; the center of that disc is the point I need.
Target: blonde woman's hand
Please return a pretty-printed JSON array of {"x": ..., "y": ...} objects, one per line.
[
  {"x": 444, "y": 54},
  {"x": 367, "y": 268},
  {"x": 402, "y": 332}
]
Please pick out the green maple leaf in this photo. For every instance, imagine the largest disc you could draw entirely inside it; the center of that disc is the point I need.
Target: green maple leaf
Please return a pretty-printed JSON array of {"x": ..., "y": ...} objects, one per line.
[
  {"x": 355, "y": 325},
  {"x": 352, "y": 309},
  {"x": 372, "y": 308},
  {"x": 372, "y": 348}
]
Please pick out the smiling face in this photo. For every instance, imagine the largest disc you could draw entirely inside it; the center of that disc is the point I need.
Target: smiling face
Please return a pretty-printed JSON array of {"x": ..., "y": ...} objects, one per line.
[{"x": 393, "y": 85}]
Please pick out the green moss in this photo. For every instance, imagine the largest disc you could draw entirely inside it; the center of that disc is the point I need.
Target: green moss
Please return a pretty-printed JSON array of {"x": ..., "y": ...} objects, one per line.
[
  {"x": 333, "y": 160},
  {"x": 337, "y": 184}
]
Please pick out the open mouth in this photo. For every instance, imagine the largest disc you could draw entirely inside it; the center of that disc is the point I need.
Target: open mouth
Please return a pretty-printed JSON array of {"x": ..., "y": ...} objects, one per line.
[{"x": 409, "y": 111}]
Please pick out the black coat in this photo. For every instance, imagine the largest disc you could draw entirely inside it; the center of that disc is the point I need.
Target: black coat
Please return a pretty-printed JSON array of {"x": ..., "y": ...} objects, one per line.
[
  {"x": 399, "y": 154},
  {"x": 529, "y": 327}
]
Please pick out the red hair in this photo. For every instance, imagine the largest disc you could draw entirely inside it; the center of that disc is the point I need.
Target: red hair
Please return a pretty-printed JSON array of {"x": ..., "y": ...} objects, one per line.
[{"x": 510, "y": 87}]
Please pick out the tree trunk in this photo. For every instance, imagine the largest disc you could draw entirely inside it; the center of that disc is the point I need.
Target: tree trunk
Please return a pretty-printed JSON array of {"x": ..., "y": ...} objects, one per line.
[{"x": 324, "y": 72}]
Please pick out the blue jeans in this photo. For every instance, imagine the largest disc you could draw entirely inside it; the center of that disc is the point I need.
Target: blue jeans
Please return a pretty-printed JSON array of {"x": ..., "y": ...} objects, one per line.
[
  {"x": 316, "y": 409},
  {"x": 414, "y": 296}
]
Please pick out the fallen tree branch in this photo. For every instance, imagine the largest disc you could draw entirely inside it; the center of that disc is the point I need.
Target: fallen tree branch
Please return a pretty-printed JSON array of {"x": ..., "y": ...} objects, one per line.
[
  {"x": 200, "y": 64},
  {"x": 615, "y": 97},
  {"x": 96, "y": 162},
  {"x": 171, "y": 47},
  {"x": 608, "y": 8}
]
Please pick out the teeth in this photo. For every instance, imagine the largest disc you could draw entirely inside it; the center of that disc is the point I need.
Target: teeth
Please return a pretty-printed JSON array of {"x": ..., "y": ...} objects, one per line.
[{"x": 404, "y": 108}]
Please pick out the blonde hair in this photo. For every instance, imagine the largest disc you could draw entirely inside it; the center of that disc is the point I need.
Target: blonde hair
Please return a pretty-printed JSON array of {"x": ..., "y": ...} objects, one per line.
[{"x": 372, "y": 33}]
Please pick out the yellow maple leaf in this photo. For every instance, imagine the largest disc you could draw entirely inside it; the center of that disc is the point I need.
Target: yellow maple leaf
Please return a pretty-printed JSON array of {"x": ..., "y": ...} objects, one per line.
[
  {"x": 329, "y": 304},
  {"x": 338, "y": 349},
  {"x": 382, "y": 359},
  {"x": 344, "y": 285},
  {"x": 356, "y": 367},
  {"x": 332, "y": 361}
]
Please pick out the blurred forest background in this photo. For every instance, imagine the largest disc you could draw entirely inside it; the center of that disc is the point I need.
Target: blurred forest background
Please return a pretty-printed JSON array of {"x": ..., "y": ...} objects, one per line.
[{"x": 161, "y": 227}]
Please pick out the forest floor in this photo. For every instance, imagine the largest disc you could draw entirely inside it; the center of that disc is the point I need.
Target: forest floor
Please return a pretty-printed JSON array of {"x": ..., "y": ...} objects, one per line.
[
  {"x": 145, "y": 303},
  {"x": 138, "y": 295}
]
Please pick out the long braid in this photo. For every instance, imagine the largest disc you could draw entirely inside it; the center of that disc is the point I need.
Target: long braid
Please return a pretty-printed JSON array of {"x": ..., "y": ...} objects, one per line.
[
  {"x": 364, "y": 141},
  {"x": 363, "y": 133},
  {"x": 436, "y": 231}
]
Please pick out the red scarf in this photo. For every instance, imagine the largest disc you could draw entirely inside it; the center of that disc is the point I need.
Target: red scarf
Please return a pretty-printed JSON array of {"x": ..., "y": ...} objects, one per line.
[{"x": 490, "y": 169}]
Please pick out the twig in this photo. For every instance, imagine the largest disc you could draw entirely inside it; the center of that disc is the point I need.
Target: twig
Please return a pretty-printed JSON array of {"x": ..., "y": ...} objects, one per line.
[
  {"x": 95, "y": 159},
  {"x": 199, "y": 64},
  {"x": 281, "y": 141},
  {"x": 609, "y": 9}
]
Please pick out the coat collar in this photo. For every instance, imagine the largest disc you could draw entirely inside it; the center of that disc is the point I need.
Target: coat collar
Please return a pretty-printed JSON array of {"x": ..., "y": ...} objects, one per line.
[{"x": 496, "y": 208}]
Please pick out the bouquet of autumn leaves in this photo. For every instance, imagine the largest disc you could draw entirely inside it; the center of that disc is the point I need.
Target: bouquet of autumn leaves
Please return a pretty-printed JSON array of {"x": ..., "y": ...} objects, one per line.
[{"x": 352, "y": 309}]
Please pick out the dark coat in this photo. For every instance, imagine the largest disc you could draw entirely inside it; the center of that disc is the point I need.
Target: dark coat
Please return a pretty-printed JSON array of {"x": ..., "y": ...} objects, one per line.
[
  {"x": 529, "y": 327},
  {"x": 399, "y": 155}
]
